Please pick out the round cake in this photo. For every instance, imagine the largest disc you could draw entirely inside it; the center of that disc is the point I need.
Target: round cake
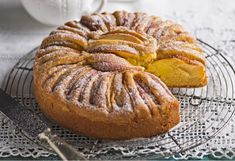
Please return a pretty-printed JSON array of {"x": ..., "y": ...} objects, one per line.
[{"x": 104, "y": 76}]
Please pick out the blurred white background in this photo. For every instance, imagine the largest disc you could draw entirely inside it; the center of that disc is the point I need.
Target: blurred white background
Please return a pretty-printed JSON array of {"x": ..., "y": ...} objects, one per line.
[{"x": 211, "y": 20}]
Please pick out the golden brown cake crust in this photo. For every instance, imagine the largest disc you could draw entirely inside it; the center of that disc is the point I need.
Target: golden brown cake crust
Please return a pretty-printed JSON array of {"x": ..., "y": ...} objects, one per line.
[
  {"x": 91, "y": 76},
  {"x": 70, "y": 118},
  {"x": 103, "y": 96}
]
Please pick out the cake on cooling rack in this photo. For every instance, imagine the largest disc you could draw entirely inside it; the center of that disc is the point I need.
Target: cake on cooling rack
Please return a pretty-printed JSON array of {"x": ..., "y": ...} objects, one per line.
[{"x": 100, "y": 76}]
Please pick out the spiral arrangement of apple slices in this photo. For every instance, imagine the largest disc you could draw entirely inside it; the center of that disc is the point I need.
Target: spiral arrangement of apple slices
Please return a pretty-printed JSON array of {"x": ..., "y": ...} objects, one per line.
[{"x": 109, "y": 64}]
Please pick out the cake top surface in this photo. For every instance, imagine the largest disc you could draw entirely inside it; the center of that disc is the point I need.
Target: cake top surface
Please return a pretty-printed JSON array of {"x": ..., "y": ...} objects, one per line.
[{"x": 99, "y": 62}]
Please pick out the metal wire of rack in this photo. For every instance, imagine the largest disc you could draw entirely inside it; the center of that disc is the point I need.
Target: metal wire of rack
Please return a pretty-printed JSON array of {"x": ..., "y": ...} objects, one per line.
[{"x": 204, "y": 113}]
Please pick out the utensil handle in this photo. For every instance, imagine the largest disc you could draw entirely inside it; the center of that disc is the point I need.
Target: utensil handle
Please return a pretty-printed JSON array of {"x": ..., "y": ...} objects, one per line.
[
  {"x": 101, "y": 6},
  {"x": 60, "y": 147}
]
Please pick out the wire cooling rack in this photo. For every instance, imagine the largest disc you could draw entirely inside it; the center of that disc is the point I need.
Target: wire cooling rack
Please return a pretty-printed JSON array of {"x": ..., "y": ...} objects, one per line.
[{"x": 204, "y": 113}]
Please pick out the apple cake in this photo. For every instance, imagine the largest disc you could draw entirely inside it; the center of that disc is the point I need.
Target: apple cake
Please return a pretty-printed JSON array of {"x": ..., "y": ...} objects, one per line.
[{"x": 104, "y": 76}]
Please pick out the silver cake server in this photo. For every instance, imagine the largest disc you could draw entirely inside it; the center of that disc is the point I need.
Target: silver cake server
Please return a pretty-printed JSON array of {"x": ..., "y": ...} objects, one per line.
[{"x": 33, "y": 125}]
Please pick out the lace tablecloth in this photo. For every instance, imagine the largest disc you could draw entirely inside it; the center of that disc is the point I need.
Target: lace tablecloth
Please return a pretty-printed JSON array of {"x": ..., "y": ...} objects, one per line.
[{"x": 210, "y": 20}]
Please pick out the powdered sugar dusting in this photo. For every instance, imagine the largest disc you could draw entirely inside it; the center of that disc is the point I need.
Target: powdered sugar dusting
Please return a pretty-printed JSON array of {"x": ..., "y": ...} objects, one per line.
[
  {"x": 113, "y": 48},
  {"x": 110, "y": 84}
]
